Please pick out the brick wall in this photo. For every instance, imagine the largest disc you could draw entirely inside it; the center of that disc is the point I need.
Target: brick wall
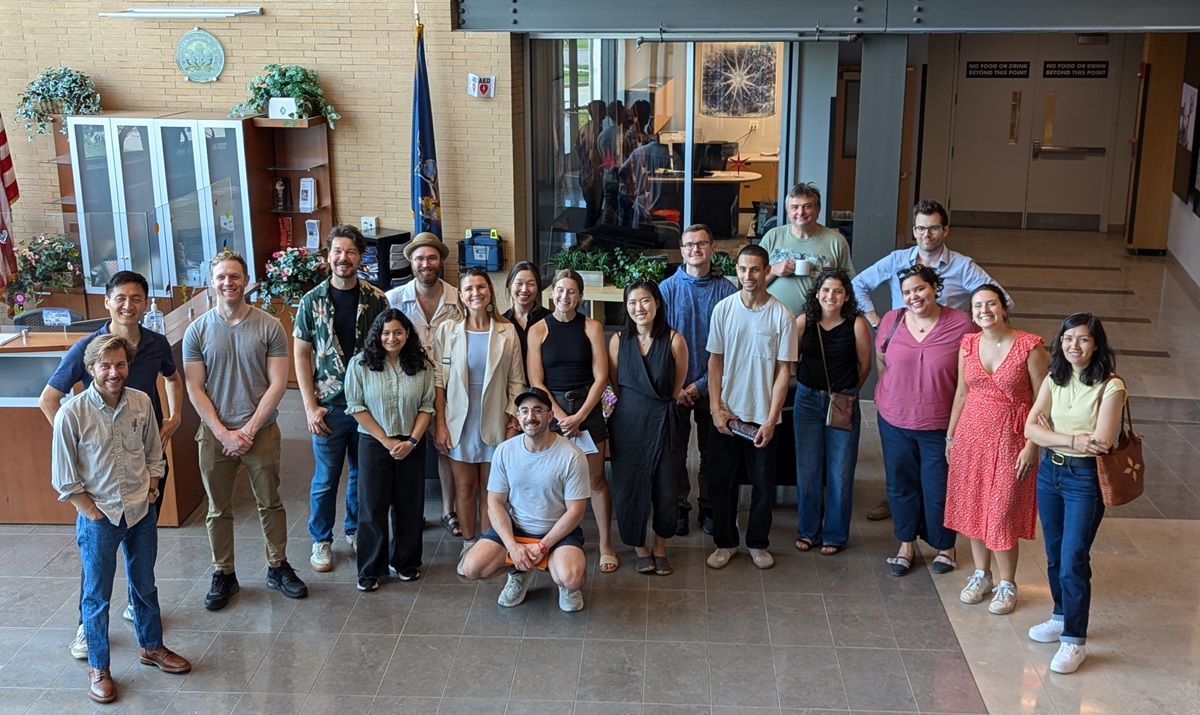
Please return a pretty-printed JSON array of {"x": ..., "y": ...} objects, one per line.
[{"x": 364, "y": 54}]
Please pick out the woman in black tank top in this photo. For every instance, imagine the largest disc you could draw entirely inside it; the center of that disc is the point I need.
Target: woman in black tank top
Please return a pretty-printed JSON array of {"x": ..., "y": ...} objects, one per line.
[
  {"x": 568, "y": 360},
  {"x": 835, "y": 356}
]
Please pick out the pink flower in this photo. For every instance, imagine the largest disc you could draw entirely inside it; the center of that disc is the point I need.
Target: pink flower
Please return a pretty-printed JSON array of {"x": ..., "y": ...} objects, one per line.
[{"x": 283, "y": 275}]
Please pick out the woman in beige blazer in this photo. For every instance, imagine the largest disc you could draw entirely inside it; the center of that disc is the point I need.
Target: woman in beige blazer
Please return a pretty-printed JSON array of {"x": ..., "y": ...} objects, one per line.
[{"x": 479, "y": 375}]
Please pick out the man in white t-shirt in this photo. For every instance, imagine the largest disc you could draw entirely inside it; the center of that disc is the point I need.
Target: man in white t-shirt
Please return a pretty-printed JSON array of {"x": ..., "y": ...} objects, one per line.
[
  {"x": 537, "y": 494},
  {"x": 751, "y": 345}
]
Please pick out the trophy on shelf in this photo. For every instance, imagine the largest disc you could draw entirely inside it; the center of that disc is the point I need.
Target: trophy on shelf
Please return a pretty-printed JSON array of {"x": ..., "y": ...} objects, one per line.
[{"x": 282, "y": 193}]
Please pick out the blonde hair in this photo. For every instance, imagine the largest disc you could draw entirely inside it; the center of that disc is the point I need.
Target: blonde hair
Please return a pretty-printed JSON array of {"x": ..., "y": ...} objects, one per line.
[{"x": 103, "y": 344}]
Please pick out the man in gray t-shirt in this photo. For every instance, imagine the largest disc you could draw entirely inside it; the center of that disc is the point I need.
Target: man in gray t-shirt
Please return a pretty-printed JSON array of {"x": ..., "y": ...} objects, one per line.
[
  {"x": 537, "y": 495},
  {"x": 235, "y": 361}
]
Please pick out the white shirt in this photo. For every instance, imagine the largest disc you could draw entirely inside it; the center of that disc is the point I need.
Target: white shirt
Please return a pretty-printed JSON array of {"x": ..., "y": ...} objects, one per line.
[
  {"x": 753, "y": 343},
  {"x": 404, "y": 299}
]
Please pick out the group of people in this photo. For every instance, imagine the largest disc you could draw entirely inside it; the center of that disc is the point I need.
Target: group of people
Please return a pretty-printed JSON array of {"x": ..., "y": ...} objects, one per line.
[{"x": 507, "y": 410}]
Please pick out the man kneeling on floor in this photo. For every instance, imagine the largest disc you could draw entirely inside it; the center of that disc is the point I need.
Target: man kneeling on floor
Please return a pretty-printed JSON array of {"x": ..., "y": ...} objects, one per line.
[
  {"x": 107, "y": 460},
  {"x": 537, "y": 494}
]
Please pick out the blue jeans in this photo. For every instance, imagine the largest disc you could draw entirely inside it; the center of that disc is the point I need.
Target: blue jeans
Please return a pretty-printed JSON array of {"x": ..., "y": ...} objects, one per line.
[
  {"x": 330, "y": 453},
  {"x": 825, "y": 462},
  {"x": 915, "y": 464},
  {"x": 1069, "y": 504},
  {"x": 98, "y": 543}
]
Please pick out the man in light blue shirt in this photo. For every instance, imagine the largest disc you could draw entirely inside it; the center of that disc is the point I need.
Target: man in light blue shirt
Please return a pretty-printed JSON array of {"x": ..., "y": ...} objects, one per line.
[
  {"x": 961, "y": 275},
  {"x": 931, "y": 226}
]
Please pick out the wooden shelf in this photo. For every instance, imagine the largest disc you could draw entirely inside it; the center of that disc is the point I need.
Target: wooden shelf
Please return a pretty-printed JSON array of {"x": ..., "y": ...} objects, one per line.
[
  {"x": 305, "y": 167},
  {"x": 288, "y": 123},
  {"x": 295, "y": 211}
]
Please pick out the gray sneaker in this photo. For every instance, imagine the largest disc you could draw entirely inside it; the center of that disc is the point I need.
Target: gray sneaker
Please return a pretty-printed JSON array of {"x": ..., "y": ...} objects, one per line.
[
  {"x": 79, "y": 645},
  {"x": 514, "y": 591},
  {"x": 1004, "y": 600},
  {"x": 719, "y": 559},
  {"x": 762, "y": 558},
  {"x": 352, "y": 539},
  {"x": 570, "y": 601},
  {"x": 467, "y": 544}
]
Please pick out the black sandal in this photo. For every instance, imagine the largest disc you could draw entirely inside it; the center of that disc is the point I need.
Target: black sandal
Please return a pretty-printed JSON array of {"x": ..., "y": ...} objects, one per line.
[
  {"x": 804, "y": 545},
  {"x": 831, "y": 549},
  {"x": 450, "y": 521}
]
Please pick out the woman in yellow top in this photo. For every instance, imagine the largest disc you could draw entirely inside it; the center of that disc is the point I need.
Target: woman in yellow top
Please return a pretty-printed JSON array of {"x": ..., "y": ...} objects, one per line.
[{"x": 1076, "y": 418}]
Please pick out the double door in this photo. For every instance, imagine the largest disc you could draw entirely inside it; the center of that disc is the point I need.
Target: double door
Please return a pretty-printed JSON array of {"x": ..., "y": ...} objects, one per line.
[{"x": 159, "y": 196}]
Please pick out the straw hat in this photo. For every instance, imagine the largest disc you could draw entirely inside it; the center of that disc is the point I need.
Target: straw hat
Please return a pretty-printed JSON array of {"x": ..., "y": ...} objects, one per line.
[{"x": 426, "y": 238}]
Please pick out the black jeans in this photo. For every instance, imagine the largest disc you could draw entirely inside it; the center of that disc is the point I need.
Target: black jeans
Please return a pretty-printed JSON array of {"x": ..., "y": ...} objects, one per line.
[
  {"x": 729, "y": 457},
  {"x": 703, "y": 419},
  {"x": 387, "y": 485}
]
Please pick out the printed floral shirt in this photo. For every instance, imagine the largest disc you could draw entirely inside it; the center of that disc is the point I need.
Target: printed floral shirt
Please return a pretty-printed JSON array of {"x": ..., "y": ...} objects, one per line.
[{"x": 314, "y": 324}]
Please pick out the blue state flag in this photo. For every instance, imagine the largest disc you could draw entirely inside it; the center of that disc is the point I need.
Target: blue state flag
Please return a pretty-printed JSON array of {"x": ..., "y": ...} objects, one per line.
[{"x": 426, "y": 199}]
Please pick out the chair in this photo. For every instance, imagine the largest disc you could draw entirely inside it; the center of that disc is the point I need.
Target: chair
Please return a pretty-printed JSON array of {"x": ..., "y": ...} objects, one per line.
[{"x": 32, "y": 320}]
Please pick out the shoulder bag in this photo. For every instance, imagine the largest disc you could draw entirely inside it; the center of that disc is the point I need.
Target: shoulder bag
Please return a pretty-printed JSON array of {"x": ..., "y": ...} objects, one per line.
[
  {"x": 840, "y": 414},
  {"x": 1122, "y": 471}
]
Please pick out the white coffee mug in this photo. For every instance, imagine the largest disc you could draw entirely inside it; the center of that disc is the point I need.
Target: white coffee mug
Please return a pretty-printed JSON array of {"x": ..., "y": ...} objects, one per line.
[{"x": 804, "y": 268}]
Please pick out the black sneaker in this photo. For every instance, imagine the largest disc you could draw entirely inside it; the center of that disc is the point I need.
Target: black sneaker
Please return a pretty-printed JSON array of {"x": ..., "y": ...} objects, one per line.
[
  {"x": 681, "y": 522},
  {"x": 283, "y": 579},
  {"x": 409, "y": 574},
  {"x": 224, "y": 585},
  {"x": 706, "y": 523},
  {"x": 368, "y": 584}
]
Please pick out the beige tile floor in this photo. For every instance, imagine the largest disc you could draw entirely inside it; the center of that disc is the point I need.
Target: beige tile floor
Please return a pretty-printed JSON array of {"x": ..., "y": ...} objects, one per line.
[{"x": 815, "y": 634}]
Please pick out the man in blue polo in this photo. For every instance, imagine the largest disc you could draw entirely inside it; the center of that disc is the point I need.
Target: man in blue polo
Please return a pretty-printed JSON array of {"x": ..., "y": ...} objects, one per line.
[{"x": 125, "y": 298}]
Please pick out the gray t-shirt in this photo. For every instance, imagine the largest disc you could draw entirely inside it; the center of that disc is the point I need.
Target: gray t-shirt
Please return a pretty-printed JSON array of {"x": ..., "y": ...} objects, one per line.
[
  {"x": 235, "y": 358},
  {"x": 538, "y": 484}
]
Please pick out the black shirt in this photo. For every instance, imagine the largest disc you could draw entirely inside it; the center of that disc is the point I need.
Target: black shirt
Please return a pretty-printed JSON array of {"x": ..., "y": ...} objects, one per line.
[{"x": 345, "y": 318}]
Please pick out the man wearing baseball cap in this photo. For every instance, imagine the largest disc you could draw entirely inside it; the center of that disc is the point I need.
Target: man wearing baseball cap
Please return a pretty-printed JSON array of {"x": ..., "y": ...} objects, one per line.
[
  {"x": 537, "y": 494},
  {"x": 429, "y": 301}
]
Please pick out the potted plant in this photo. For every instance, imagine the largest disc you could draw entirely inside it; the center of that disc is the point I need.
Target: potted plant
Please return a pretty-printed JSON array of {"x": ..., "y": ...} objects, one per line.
[
  {"x": 44, "y": 263},
  {"x": 628, "y": 267},
  {"x": 289, "y": 91},
  {"x": 56, "y": 90},
  {"x": 724, "y": 263},
  {"x": 590, "y": 264},
  {"x": 290, "y": 274}
]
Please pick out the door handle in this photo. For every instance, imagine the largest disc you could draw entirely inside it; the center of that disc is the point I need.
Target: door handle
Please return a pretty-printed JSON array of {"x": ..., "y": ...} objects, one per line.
[{"x": 1039, "y": 149}]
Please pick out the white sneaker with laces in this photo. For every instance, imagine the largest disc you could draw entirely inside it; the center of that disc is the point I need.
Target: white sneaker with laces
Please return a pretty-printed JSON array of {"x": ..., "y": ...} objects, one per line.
[
  {"x": 127, "y": 614},
  {"x": 352, "y": 539},
  {"x": 719, "y": 559},
  {"x": 322, "y": 556},
  {"x": 79, "y": 645},
  {"x": 1068, "y": 658},
  {"x": 762, "y": 558},
  {"x": 1047, "y": 632},
  {"x": 1004, "y": 600},
  {"x": 977, "y": 587},
  {"x": 570, "y": 601},
  {"x": 514, "y": 591}
]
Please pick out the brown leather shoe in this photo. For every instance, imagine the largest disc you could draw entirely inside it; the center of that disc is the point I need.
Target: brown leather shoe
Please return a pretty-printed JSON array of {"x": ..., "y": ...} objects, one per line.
[
  {"x": 166, "y": 660},
  {"x": 101, "y": 687}
]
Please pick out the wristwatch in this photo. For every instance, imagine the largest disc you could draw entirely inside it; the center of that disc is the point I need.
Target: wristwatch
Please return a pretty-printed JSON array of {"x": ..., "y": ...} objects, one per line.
[
  {"x": 413, "y": 440},
  {"x": 154, "y": 493}
]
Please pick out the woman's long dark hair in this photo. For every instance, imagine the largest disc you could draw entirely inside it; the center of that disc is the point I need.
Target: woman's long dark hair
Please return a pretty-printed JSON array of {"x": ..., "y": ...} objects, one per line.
[
  {"x": 413, "y": 358},
  {"x": 1104, "y": 361},
  {"x": 659, "y": 326},
  {"x": 812, "y": 301}
]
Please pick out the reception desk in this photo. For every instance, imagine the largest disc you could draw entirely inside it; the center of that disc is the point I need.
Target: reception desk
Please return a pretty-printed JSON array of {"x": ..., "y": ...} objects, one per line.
[{"x": 25, "y": 435}]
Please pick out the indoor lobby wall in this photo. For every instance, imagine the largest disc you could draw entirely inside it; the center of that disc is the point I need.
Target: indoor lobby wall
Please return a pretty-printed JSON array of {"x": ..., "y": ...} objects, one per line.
[{"x": 364, "y": 53}]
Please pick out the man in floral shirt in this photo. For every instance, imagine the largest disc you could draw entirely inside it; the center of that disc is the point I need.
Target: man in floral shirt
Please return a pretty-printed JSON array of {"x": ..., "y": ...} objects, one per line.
[{"x": 331, "y": 325}]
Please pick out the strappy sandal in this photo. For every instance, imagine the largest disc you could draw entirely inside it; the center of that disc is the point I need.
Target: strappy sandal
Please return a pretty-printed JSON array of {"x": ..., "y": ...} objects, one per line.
[
  {"x": 804, "y": 545},
  {"x": 831, "y": 549},
  {"x": 450, "y": 521}
]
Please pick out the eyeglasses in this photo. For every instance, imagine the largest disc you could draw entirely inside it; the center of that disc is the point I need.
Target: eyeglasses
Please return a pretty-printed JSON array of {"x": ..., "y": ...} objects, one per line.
[
  {"x": 696, "y": 245},
  {"x": 536, "y": 411},
  {"x": 922, "y": 230}
]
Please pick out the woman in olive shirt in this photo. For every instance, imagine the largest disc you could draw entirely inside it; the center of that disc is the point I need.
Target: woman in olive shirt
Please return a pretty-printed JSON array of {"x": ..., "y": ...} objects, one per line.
[{"x": 390, "y": 392}]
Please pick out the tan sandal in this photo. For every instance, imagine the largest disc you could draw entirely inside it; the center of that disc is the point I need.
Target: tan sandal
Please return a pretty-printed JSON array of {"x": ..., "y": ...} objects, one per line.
[{"x": 608, "y": 563}]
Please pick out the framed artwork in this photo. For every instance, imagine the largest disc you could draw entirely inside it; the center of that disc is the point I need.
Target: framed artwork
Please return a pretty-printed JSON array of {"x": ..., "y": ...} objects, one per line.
[{"x": 738, "y": 79}]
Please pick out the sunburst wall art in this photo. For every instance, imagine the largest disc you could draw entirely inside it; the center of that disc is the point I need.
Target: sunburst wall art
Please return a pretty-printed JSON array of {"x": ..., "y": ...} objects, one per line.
[{"x": 738, "y": 80}]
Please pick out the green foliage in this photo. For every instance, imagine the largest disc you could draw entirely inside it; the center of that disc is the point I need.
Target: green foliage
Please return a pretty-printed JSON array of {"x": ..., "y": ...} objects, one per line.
[
  {"x": 290, "y": 274},
  {"x": 46, "y": 262},
  {"x": 56, "y": 90},
  {"x": 284, "y": 81},
  {"x": 724, "y": 263},
  {"x": 582, "y": 259},
  {"x": 629, "y": 266}
]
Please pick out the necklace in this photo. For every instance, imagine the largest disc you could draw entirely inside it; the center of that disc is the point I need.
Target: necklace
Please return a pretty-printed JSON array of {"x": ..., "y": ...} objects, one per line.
[{"x": 918, "y": 324}]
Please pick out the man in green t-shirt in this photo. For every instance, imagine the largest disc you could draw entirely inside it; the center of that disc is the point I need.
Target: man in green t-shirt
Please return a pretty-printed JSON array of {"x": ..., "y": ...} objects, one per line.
[{"x": 801, "y": 248}]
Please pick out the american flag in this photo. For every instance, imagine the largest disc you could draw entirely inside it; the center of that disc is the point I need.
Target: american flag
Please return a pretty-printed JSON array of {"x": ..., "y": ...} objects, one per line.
[{"x": 8, "y": 180}]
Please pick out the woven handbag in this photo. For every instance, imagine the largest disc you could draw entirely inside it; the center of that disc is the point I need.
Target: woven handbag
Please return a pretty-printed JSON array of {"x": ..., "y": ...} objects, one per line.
[{"x": 1122, "y": 470}]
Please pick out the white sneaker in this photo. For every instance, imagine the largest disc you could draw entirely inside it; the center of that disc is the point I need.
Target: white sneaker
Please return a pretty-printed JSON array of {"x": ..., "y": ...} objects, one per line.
[
  {"x": 322, "y": 556},
  {"x": 1004, "y": 600},
  {"x": 762, "y": 558},
  {"x": 514, "y": 591},
  {"x": 1068, "y": 658},
  {"x": 127, "y": 614},
  {"x": 79, "y": 645},
  {"x": 352, "y": 539},
  {"x": 467, "y": 544},
  {"x": 570, "y": 601},
  {"x": 719, "y": 559},
  {"x": 977, "y": 587},
  {"x": 1047, "y": 632}
]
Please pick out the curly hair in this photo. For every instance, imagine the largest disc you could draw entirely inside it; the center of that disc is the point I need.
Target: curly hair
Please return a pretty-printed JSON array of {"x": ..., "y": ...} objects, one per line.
[
  {"x": 413, "y": 357},
  {"x": 812, "y": 301},
  {"x": 925, "y": 273},
  {"x": 1104, "y": 360}
]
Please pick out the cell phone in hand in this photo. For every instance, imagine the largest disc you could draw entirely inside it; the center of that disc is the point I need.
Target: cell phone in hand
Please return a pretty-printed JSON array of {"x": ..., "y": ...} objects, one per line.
[{"x": 745, "y": 430}]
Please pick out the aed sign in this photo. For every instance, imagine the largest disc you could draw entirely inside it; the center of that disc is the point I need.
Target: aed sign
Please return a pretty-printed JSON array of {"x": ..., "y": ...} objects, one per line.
[{"x": 481, "y": 85}]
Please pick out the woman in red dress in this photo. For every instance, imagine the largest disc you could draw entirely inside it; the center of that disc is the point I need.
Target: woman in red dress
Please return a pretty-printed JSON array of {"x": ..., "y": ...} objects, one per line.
[{"x": 990, "y": 497}]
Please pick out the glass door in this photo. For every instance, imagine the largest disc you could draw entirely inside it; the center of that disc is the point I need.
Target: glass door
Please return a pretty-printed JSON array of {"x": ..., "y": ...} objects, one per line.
[
  {"x": 178, "y": 187},
  {"x": 225, "y": 172},
  {"x": 95, "y": 190},
  {"x": 137, "y": 218}
]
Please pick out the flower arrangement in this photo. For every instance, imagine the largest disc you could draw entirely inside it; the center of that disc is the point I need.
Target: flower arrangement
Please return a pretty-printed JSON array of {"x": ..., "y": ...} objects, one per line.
[
  {"x": 44, "y": 263},
  {"x": 290, "y": 274}
]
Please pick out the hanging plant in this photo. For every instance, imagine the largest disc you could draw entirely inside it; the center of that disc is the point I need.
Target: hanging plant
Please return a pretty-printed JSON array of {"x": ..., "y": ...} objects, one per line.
[
  {"x": 287, "y": 81},
  {"x": 57, "y": 90},
  {"x": 44, "y": 263}
]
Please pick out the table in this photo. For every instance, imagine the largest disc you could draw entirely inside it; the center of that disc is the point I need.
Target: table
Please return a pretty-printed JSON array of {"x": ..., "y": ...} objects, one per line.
[
  {"x": 715, "y": 198},
  {"x": 595, "y": 297}
]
